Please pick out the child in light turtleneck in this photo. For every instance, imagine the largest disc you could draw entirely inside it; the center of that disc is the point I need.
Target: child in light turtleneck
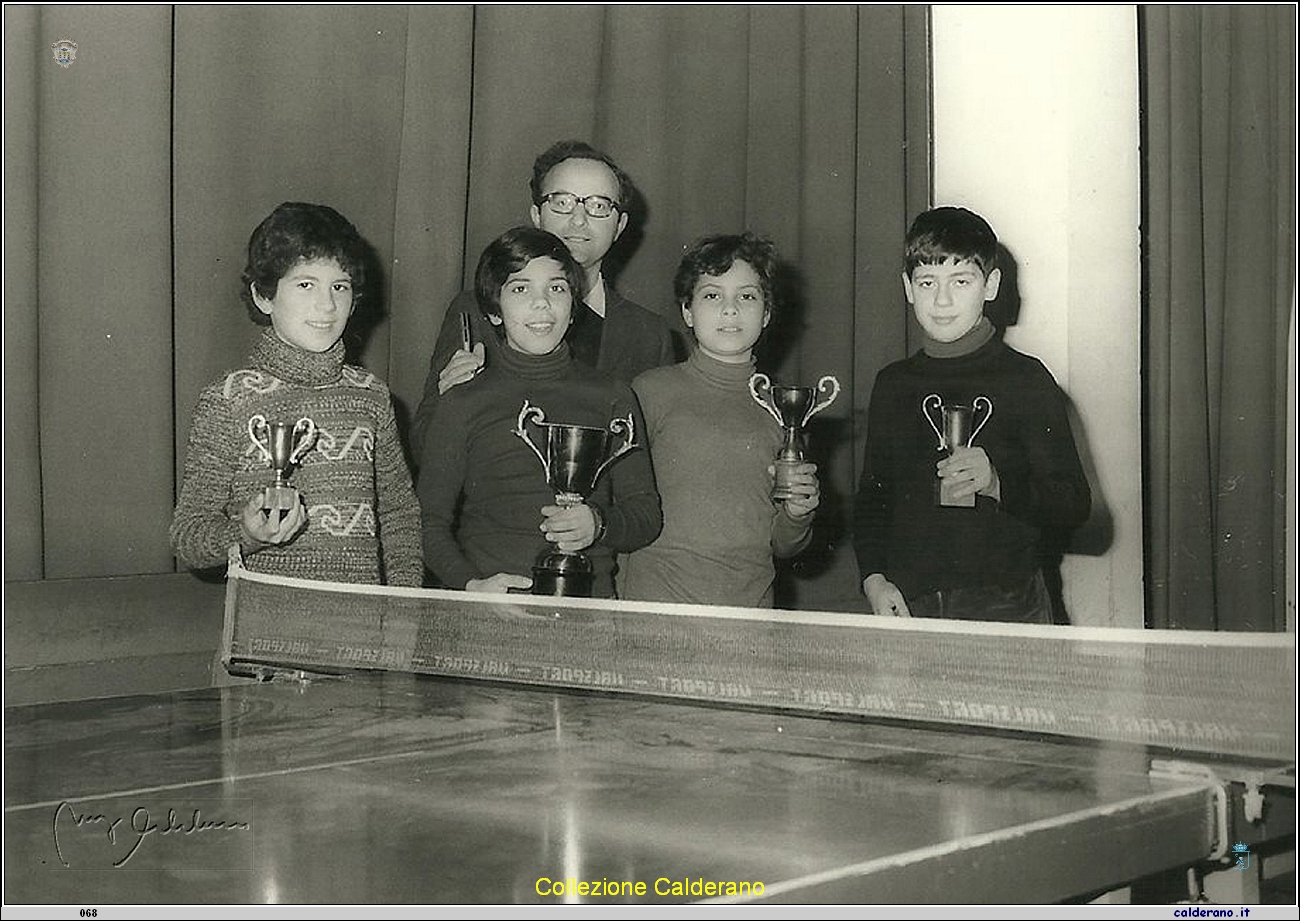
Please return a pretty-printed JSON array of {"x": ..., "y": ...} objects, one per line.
[
  {"x": 974, "y": 553},
  {"x": 713, "y": 446},
  {"x": 354, "y": 517}
]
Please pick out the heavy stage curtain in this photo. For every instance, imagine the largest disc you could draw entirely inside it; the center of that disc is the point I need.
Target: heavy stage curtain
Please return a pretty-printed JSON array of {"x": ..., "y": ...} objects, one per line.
[
  {"x": 1219, "y": 231},
  {"x": 135, "y": 175}
]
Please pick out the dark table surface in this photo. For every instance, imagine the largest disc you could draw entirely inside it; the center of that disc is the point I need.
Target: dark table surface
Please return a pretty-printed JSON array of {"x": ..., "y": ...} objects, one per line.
[{"x": 396, "y": 788}]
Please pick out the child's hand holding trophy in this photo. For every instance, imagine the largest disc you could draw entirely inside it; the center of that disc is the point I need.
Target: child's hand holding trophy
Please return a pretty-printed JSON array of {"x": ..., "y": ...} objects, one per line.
[{"x": 276, "y": 514}]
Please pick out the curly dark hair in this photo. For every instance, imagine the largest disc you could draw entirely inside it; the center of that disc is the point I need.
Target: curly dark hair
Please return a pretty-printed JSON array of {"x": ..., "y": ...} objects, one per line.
[
  {"x": 560, "y": 151},
  {"x": 296, "y": 232},
  {"x": 715, "y": 255},
  {"x": 950, "y": 233},
  {"x": 513, "y": 250}
]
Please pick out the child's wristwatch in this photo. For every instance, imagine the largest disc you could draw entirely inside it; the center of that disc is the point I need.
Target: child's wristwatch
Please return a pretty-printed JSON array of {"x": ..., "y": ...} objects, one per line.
[{"x": 600, "y": 523}]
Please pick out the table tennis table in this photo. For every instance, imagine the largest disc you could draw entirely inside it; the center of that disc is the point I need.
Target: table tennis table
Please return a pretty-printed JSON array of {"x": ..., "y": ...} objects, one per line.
[{"x": 364, "y": 780}]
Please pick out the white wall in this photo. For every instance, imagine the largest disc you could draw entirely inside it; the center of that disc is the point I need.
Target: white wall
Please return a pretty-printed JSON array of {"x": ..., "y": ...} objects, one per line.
[
  {"x": 1036, "y": 128},
  {"x": 1291, "y": 479}
]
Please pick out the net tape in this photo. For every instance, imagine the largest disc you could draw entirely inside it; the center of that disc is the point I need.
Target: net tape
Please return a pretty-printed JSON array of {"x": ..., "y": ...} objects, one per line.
[{"x": 1226, "y": 694}]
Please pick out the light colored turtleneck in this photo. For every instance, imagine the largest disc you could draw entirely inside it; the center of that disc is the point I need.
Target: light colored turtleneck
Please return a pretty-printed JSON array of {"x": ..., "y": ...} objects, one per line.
[
  {"x": 712, "y": 445},
  {"x": 298, "y": 366},
  {"x": 724, "y": 374}
]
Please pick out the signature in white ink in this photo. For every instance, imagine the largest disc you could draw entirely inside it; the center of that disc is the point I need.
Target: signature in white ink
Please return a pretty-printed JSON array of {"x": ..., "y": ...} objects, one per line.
[{"x": 139, "y": 826}]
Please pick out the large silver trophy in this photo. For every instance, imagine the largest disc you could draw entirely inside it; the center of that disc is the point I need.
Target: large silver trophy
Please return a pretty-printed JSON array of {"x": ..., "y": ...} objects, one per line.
[
  {"x": 574, "y": 458},
  {"x": 282, "y": 445},
  {"x": 956, "y": 428},
  {"x": 791, "y": 407}
]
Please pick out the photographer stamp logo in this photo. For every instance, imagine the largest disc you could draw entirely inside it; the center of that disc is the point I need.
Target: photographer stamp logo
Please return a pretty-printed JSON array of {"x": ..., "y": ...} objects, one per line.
[{"x": 65, "y": 52}]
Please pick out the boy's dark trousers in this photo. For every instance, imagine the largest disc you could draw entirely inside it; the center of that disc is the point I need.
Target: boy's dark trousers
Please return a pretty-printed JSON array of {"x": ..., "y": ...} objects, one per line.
[{"x": 1026, "y": 602}]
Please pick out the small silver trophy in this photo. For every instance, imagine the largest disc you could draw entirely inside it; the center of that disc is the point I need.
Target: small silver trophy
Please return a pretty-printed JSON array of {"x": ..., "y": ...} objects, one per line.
[
  {"x": 791, "y": 407},
  {"x": 954, "y": 430},
  {"x": 282, "y": 446},
  {"x": 574, "y": 459}
]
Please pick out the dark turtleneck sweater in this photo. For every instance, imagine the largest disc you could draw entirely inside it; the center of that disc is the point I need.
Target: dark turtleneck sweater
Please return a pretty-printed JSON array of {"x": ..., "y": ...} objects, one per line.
[
  {"x": 472, "y": 457},
  {"x": 362, "y": 516},
  {"x": 711, "y": 445},
  {"x": 901, "y": 532},
  {"x": 630, "y": 339}
]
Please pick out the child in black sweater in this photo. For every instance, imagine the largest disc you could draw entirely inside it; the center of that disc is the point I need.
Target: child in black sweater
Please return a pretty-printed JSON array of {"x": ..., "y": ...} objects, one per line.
[{"x": 952, "y": 529}]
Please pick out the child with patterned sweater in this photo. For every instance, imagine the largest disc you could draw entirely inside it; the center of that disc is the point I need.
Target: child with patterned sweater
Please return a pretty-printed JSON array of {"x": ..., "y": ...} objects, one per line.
[
  {"x": 713, "y": 446},
  {"x": 355, "y": 517}
]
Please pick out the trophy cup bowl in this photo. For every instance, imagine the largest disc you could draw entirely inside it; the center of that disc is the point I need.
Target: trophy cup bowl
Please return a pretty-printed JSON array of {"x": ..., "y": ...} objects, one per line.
[
  {"x": 574, "y": 458},
  {"x": 791, "y": 407},
  {"x": 282, "y": 445},
  {"x": 955, "y": 428}
]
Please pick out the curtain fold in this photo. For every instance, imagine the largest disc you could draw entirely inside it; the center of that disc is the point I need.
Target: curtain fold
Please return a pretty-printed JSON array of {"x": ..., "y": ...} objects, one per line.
[
  {"x": 25, "y": 531},
  {"x": 275, "y": 104},
  {"x": 1219, "y": 228},
  {"x": 93, "y": 328},
  {"x": 420, "y": 124},
  {"x": 428, "y": 223}
]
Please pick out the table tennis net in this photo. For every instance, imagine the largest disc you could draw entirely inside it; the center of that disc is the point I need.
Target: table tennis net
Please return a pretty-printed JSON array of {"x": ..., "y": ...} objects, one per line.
[{"x": 1226, "y": 694}]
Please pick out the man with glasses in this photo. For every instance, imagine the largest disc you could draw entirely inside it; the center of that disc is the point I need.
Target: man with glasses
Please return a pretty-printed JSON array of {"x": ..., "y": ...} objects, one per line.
[{"x": 581, "y": 196}]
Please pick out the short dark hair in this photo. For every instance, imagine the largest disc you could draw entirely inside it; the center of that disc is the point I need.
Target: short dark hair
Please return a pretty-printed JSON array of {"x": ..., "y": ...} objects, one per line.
[
  {"x": 715, "y": 255},
  {"x": 560, "y": 151},
  {"x": 513, "y": 250},
  {"x": 296, "y": 232},
  {"x": 947, "y": 233}
]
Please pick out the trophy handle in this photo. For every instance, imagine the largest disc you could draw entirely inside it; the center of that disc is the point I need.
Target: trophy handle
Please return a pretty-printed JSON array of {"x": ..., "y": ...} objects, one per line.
[
  {"x": 988, "y": 414},
  {"x": 822, "y": 385},
  {"x": 761, "y": 382},
  {"x": 537, "y": 415},
  {"x": 625, "y": 427},
  {"x": 302, "y": 445},
  {"x": 925, "y": 411},
  {"x": 258, "y": 423}
]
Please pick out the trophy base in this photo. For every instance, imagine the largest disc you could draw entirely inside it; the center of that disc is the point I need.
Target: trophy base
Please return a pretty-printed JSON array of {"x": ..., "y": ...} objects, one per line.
[
  {"x": 943, "y": 494},
  {"x": 567, "y": 575},
  {"x": 279, "y": 502},
  {"x": 781, "y": 481}
]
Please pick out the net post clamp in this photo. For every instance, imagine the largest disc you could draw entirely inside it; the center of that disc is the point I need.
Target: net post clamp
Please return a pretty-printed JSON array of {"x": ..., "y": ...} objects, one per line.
[
  {"x": 1191, "y": 770},
  {"x": 1252, "y": 778},
  {"x": 1255, "y": 781}
]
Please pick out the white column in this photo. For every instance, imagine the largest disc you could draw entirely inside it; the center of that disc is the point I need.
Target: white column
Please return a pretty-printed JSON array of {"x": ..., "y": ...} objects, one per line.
[
  {"x": 1291, "y": 477},
  {"x": 1036, "y": 128}
]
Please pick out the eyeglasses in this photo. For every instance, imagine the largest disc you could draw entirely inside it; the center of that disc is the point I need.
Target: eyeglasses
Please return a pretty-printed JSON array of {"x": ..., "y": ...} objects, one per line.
[{"x": 594, "y": 205}]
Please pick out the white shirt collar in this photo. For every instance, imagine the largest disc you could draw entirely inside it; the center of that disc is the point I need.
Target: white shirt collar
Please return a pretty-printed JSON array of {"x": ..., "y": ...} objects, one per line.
[{"x": 596, "y": 297}]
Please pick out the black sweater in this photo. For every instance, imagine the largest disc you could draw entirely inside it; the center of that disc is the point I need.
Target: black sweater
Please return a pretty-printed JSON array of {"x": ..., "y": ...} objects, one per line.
[
  {"x": 921, "y": 547},
  {"x": 473, "y": 458},
  {"x": 630, "y": 339}
]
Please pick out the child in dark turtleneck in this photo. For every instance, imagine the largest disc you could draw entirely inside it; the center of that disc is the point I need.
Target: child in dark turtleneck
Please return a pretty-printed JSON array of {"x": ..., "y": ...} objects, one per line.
[
  {"x": 353, "y": 517},
  {"x": 487, "y": 510},
  {"x": 953, "y": 530},
  {"x": 713, "y": 446}
]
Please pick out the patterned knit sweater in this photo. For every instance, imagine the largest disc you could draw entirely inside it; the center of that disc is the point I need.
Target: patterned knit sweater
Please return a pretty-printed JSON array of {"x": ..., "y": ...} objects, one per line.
[{"x": 363, "y": 518}]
